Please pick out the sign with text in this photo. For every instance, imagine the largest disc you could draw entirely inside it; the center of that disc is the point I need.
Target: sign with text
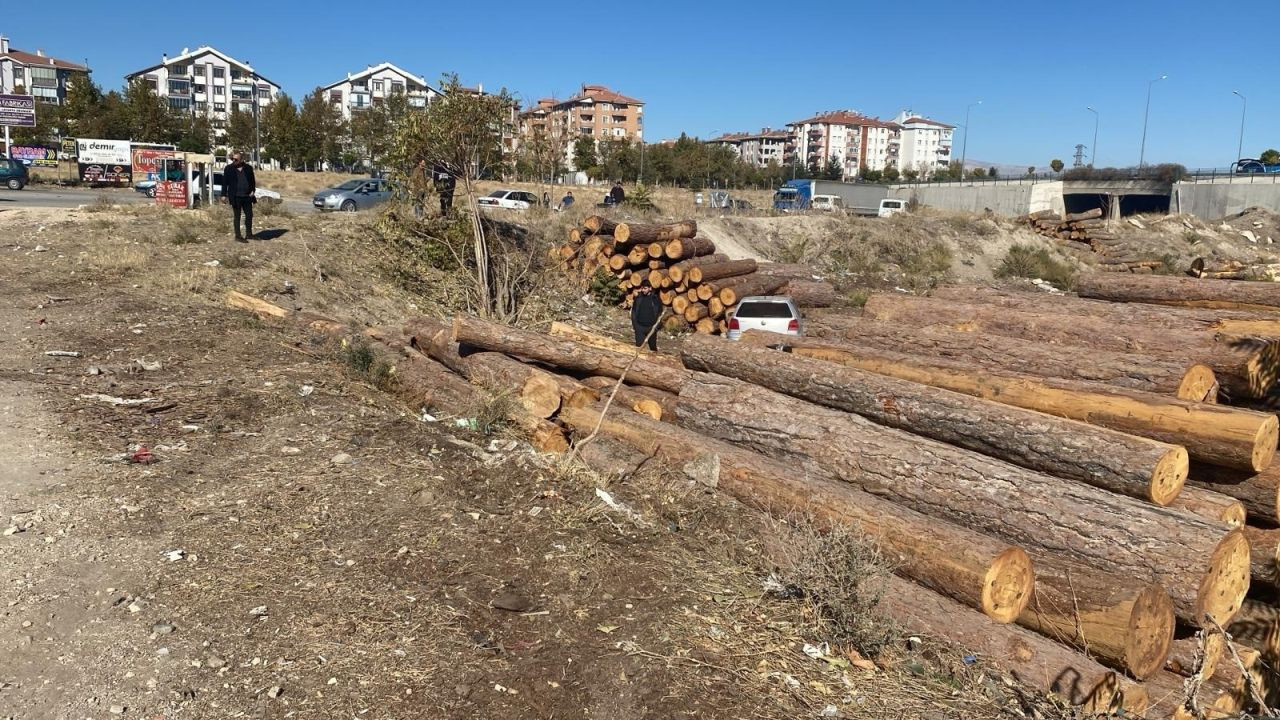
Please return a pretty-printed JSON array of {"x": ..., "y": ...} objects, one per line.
[
  {"x": 104, "y": 161},
  {"x": 69, "y": 148},
  {"x": 18, "y": 110},
  {"x": 36, "y": 156},
  {"x": 172, "y": 192},
  {"x": 144, "y": 159}
]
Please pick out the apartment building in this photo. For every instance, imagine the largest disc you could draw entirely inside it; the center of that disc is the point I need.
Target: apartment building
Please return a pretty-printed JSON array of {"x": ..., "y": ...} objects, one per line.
[
  {"x": 44, "y": 77},
  {"x": 758, "y": 149},
  {"x": 849, "y": 138},
  {"x": 375, "y": 84},
  {"x": 596, "y": 111},
  {"x": 208, "y": 82},
  {"x": 925, "y": 144}
]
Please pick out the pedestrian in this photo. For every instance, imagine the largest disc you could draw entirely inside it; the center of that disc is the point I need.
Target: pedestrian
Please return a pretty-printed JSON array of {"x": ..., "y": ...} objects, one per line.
[
  {"x": 546, "y": 199},
  {"x": 445, "y": 184},
  {"x": 646, "y": 311},
  {"x": 567, "y": 200},
  {"x": 616, "y": 195},
  {"x": 238, "y": 188}
]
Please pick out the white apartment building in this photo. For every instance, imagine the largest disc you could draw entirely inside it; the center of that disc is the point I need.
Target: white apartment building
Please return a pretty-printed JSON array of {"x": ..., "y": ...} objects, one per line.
[
  {"x": 208, "y": 82},
  {"x": 849, "y": 138},
  {"x": 375, "y": 84},
  {"x": 46, "y": 78},
  {"x": 925, "y": 144},
  {"x": 758, "y": 149}
]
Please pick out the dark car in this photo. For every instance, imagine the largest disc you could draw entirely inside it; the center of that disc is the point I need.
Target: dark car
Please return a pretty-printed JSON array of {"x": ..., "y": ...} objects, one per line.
[{"x": 13, "y": 174}]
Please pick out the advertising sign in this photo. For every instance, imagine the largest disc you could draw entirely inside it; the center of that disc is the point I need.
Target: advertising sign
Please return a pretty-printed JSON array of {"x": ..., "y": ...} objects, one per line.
[
  {"x": 104, "y": 161},
  {"x": 69, "y": 148},
  {"x": 18, "y": 110},
  {"x": 144, "y": 157},
  {"x": 36, "y": 156},
  {"x": 172, "y": 192}
]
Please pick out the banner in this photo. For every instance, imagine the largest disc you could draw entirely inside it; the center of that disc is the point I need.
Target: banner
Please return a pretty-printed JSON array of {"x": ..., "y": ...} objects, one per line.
[
  {"x": 69, "y": 148},
  {"x": 36, "y": 156},
  {"x": 18, "y": 110},
  {"x": 144, "y": 157},
  {"x": 104, "y": 161},
  {"x": 172, "y": 192}
]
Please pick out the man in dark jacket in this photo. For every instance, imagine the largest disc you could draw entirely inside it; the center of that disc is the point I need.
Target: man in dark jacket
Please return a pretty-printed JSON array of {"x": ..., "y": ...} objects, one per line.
[
  {"x": 238, "y": 187},
  {"x": 445, "y": 184},
  {"x": 646, "y": 311},
  {"x": 616, "y": 195}
]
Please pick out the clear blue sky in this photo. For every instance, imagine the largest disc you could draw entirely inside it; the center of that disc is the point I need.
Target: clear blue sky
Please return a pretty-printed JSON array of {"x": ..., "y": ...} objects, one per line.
[{"x": 712, "y": 66}]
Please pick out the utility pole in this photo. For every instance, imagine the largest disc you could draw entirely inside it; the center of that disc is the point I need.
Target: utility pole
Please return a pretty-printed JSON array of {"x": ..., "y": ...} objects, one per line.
[
  {"x": 1093, "y": 150},
  {"x": 1142, "y": 153},
  {"x": 257, "y": 133},
  {"x": 964, "y": 147},
  {"x": 1243, "y": 109}
]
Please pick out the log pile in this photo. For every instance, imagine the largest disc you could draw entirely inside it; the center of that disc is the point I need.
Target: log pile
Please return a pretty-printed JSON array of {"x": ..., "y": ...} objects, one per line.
[
  {"x": 700, "y": 286},
  {"x": 1089, "y": 232}
]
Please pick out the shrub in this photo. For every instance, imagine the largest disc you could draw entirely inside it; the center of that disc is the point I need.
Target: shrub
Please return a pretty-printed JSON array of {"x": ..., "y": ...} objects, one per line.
[
  {"x": 604, "y": 287},
  {"x": 1025, "y": 261}
]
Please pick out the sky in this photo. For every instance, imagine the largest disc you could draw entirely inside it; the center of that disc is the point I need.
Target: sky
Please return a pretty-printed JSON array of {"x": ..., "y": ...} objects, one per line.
[{"x": 710, "y": 67}]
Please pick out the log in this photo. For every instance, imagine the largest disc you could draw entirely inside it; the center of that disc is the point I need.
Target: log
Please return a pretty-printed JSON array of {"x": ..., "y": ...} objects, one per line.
[
  {"x": 611, "y": 458},
  {"x": 647, "y": 401},
  {"x": 656, "y": 250},
  {"x": 1093, "y": 214},
  {"x": 684, "y": 248},
  {"x": 1174, "y": 318},
  {"x": 984, "y": 574},
  {"x": 1204, "y": 567},
  {"x": 1244, "y": 367},
  {"x": 1196, "y": 652},
  {"x": 631, "y": 233},
  {"x": 1258, "y": 492},
  {"x": 1126, "y": 464},
  {"x": 1167, "y": 694},
  {"x": 1210, "y": 505},
  {"x": 715, "y": 308},
  {"x": 695, "y": 312},
  {"x": 618, "y": 262},
  {"x": 1264, "y": 558},
  {"x": 1181, "y": 291},
  {"x": 705, "y": 292},
  {"x": 638, "y": 256},
  {"x": 425, "y": 383},
  {"x": 568, "y": 354},
  {"x": 261, "y": 308},
  {"x": 599, "y": 225},
  {"x": 675, "y": 323},
  {"x": 655, "y": 278},
  {"x": 810, "y": 293},
  {"x": 712, "y": 259},
  {"x": 1216, "y": 434},
  {"x": 1258, "y": 626},
  {"x": 1123, "y": 623},
  {"x": 731, "y": 293},
  {"x": 679, "y": 304},
  {"x": 586, "y": 337},
  {"x": 1125, "y": 370},
  {"x": 717, "y": 271},
  {"x": 791, "y": 271},
  {"x": 1036, "y": 661},
  {"x": 706, "y": 326}
]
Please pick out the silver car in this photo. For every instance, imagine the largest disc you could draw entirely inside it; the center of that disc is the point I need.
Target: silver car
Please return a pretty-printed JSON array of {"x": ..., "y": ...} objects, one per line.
[{"x": 353, "y": 195}]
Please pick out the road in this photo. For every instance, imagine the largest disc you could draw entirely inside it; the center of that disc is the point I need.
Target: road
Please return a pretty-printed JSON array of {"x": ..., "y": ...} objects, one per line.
[{"x": 72, "y": 198}]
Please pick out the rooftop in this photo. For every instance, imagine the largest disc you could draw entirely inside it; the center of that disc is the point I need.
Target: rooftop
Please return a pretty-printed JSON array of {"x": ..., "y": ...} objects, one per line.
[
  {"x": 845, "y": 117},
  {"x": 39, "y": 59}
]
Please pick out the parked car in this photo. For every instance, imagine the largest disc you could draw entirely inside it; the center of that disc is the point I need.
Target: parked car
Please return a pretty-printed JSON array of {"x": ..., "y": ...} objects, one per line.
[
  {"x": 892, "y": 206},
  {"x": 508, "y": 200},
  {"x": 13, "y": 174},
  {"x": 1247, "y": 166},
  {"x": 146, "y": 187},
  {"x": 259, "y": 193},
  {"x": 772, "y": 313},
  {"x": 353, "y": 195},
  {"x": 828, "y": 203}
]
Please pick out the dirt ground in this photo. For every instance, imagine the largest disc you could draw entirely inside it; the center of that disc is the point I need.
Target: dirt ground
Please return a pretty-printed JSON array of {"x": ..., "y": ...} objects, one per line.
[{"x": 258, "y": 531}]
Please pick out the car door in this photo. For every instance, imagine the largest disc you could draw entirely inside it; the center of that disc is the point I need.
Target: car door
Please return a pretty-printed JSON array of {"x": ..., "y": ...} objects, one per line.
[{"x": 383, "y": 192}]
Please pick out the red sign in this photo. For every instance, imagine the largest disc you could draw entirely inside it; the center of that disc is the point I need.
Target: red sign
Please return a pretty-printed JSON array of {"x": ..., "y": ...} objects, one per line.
[{"x": 172, "y": 192}]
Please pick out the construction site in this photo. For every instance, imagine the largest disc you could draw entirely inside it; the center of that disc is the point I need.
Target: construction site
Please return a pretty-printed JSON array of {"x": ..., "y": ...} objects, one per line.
[{"x": 1011, "y": 467}]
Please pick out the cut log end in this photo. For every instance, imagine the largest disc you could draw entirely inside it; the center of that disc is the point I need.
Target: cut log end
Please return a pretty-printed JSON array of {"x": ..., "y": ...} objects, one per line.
[
  {"x": 1151, "y": 625},
  {"x": 1007, "y": 587},
  {"x": 1223, "y": 588},
  {"x": 1264, "y": 443},
  {"x": 648, "y": 407},
  {"x": 540, "y": 395},
  {"x": 1199, "y": 384},
  {"x": 1170, "y": 475}
]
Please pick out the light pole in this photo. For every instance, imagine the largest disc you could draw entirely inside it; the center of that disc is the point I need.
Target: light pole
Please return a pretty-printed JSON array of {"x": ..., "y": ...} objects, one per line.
[
  {"x": 1093, "y": 151},
  {"x": 1244, "y": 108},
  {"x": 1142, "y": 153},
  {"x": 257, "y": 136},
  {"x": 964, "y": 146}
]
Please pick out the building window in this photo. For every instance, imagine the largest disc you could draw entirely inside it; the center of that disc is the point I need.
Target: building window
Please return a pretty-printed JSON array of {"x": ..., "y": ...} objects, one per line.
[
  {"x": 202, "y": 106},
  {"x": 264, "y": 90},
  {"x": 199, "y": 69},
  {"x": 180, "y": 70},
  {"x": 180, "y": 103},
  {"x": 219, "y": 72},
  {"x": 397, "y": 87},
  {"x": 200, "y": 89},
  {"x": 45, "y": 94},
  {"x": 219, "y": 91},
  {"x": 47, "y": 77},
  {"x": 219, "y": 107},
  {"x": 377, "y": 86},
  {"x": 179, "y": 87},
  {"x": 335, "y": 96}
]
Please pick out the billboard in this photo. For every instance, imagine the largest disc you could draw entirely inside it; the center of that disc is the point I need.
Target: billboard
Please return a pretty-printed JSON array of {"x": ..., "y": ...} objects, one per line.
[
  {"x": 18, "y": 110},
  {"x": 104, "y": 161},
  {"x": 143, "y": 160},
  {"x": 36, "y": 156}
]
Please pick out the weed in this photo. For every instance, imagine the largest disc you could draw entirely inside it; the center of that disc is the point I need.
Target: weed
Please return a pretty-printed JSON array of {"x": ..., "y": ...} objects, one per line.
[
  {"x": 1169, "y": 265},
  {"x": 235, "y": 262},
  {"x": 858, "y": 298},
  {"x": 184, "y": 234},
  {"x": 272, "y": 208},
  {"x": 1025, "y": 261},
  {"x": 196, "y": 281},
  {"x": 383, "y": 376},
  {"x": 1192, "y": 237},
  {"x": 359, "y": 357},
  {"x": 491, "y": 416},
  {"x": 101, "y": 204},
  {"x": 604, "y": 287}
]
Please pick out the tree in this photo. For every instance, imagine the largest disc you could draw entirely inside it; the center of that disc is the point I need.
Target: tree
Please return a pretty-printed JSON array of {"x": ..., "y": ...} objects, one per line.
[
  {"x": 197, "y": 136},
  {"x": 280, "y": 131},
  {"x": 584, "y": 153},
  {"x": 320, "y": 131},
  {"x": 978, "y": 173},
  {"x": 991, "y": 172},
  {"x": 871, "y": 176},
  {"x": 1031, "y": 170},
  {"x": 911, "y": 174},
  {"x": 240, "y": 131},
  {"x": 1056, "y": 165},
  {"x": 1270, "y": 156},
  {"x": 833, "y": 169},
  {"x": 372, "y": 127},
  {"x": 149, "y": 116},
  {"x": 891, "y": 174}
]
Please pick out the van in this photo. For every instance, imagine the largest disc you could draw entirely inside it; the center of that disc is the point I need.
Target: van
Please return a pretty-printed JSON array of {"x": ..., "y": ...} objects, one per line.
[
  {"x": 827, "y": 203},
  {"x": 891, "y": 206}
]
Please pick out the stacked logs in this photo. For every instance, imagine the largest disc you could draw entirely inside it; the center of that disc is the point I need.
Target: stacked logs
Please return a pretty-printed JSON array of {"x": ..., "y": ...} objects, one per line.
[
  {"x": 1088, "y": 231},
  {"x": 700, "y": 286}
]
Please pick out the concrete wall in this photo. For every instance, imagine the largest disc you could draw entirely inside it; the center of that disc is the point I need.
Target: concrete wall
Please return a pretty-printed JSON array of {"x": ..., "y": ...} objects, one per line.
[
  {"x": 1007, "y": 200},
  {"x": 1211, "y": 201}
]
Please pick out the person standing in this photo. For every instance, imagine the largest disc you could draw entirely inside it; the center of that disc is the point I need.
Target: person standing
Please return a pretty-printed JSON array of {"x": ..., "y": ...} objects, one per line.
[
  {"x": 238, "y": 188},
  {"x": 445, "y": 184},
  {"x": 616, "y": 195},
  {"x": 566, "y": 201},
  {"x": 646, "y": 311}
]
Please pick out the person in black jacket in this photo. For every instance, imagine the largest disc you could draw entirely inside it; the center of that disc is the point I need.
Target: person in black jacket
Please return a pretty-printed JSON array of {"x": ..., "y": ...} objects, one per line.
[
  {"x": 646, "y": 311},
  {"x": 238, "y": 187},
  {"x": 616, "y": 195}
]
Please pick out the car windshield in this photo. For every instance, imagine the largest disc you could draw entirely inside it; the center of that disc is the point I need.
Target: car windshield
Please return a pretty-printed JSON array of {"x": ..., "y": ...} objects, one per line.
[
  {"x": 498, "y": 194},
  {"x": 763, "y": 310},
  {"x": 350, "y": 185}
]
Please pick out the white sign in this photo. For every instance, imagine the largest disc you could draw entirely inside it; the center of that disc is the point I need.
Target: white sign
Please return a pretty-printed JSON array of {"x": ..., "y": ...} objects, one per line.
[{"x": 103, "y": 152}]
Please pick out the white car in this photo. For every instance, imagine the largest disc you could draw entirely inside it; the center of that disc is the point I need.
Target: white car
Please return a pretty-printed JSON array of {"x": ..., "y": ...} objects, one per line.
[
  {"x": 891, "y": 206},
  {"x": 771, "y": 313},
  {"x": 508, "y": 200}
]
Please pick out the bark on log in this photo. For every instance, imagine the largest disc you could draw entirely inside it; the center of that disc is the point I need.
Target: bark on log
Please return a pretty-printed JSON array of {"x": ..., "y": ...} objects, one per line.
[
  {"x": 641, "y": 399},
  {"x": 1196, "y": 652},
  {"x": 586, "y": 337},
  {"x": 1039, "y": 662},
  {"x": 717, "y": 271},
  {"x": 1264, "y": 557},
  {"x": 599, "y": 225},
  {"x": 982, "y": 573},
  {"x": 631, "y": 233},
  {"x": 1258, "y": 626},
  {"x": 1167, "y": 694},
  {"x": 1123, "y": 623},
  {"x": 612, "y": 458},
  {"x": 1210, "y": 505},
  {"x": 810, "y": 293},
  {"x": 425, "y": 383},
  {"x": 567, "y": 354},
  {"x": 1135, "y": 372},
  {"x": 731, "y": 293},
  {"x": 1126, "y": 464},
  {"x": 684, "y": 248},
  {"x": 1204, "y": 568},
  {"x": 791, "y": 271},
  {"x": 1216, "y": 434},
  {"x": 1259, "y": 492},
  {"x": 1086, "y": 215},
  {"x": 1181, "y": 291}
]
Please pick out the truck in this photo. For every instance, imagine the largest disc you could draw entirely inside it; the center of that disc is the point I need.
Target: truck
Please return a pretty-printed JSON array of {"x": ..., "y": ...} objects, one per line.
[{"x": 830, "y": 195}]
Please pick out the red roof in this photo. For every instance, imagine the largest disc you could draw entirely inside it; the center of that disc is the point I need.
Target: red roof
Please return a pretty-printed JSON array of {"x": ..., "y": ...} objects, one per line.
[
  {"x": 845, "y": 117},
  {"x": 603, "y": 94},
  {"x": 927, "y": 121},
  {"x": 29, "y": 59}
]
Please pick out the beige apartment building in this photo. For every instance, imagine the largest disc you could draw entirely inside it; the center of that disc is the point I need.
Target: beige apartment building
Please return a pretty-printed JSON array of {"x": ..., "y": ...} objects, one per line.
[{"x": 596, "y": 111}]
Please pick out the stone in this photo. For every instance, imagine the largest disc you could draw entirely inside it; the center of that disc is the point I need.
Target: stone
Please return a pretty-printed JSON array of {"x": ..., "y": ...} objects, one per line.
[
  {"x": 290, "y": 450},
  {"x": 275, "y": 692},
  {"x": 342, "y": 459}
]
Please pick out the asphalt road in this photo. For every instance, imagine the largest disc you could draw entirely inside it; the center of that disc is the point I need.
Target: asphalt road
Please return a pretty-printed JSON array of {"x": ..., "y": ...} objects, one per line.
[{"x": 49, "y": 196}]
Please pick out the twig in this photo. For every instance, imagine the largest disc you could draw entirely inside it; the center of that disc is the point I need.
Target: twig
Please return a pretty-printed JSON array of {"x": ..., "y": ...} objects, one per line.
[
  {"x": 1244, "y": 672},
  {"x": 573, "y": 453}
]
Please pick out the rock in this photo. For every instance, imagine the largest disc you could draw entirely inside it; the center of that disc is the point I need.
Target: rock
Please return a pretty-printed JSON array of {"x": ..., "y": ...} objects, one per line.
[
  {"x": 512, "y": 601},
  {"x": 118, "y": 709},
  {"x": 290, "y": 450},
  {"x": 462, "y": 691},
  {"x": 213, "y": 662},
  {"x": 1249, "y": 235},
  {"x": 275, "y": 692},
  {"x": 260, "y": 611},
  {"x": 342, "y": 459},
  {"x": 163, "y": 628}
]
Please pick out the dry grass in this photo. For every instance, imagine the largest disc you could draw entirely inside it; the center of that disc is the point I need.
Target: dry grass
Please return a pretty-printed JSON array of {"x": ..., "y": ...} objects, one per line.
[{"x": 290, "y": 183}]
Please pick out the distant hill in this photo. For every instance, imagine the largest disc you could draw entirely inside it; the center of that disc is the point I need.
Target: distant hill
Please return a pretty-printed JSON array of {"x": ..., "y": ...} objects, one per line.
[{"x": 1006, "y": 169}]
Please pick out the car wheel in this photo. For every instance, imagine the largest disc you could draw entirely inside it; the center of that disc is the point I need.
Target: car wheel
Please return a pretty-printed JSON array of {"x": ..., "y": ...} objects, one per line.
[
  {"x": 15, "y": 184},
  {"x": 348, "y": 206},
  {"x": 151, "y": 193}
]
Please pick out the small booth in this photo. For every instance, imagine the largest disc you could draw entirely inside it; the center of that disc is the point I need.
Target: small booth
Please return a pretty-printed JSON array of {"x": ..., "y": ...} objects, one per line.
[{"x": 185, "y": 179}]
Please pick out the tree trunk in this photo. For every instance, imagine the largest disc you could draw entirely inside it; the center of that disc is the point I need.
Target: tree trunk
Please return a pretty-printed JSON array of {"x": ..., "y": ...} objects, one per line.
[
  {"x": 1259, "y": 492},
  {"x": 568, "y": 354},
  {"x": 425, "y": 383},
  {"x": 1134, "y": 372},
  {"x": 974, "y": 569},
  {"x": 599, "y": 225},
  {"x": 656, "y": 404},
  {"x": 630, "y": 233},
  {"x": 810, "y": 293},
  {"x": 1180, "y": 291},
  {"x": 733, "y": 290},
  {"x": 683, "y": 267},
  {"x": 1199, "y": 651},
  {"x": 1037, "y": 661},
  {"x": 709, "y": 273},
  {"x": 1244, "y": 367},
  {"x": 1133, "y": 466},
  {"x": 1215, "y": 434},
  {"x": 684, "y": 248},
  {"x": 1210, "y": 505},
  {"x": 1204, "y": 568},
  {"x": 1264, "y": 557}
]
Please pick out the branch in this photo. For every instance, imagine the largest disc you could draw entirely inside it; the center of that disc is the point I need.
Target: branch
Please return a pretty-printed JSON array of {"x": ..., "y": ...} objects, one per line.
[{"x": 614, "y": 393}]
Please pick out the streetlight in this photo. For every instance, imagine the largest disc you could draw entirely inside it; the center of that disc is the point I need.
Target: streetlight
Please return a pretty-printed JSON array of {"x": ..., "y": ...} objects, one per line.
[
  {"x": 1243, "y": 109},
  {"x": 1093, "y": 151},
  {"x": 964, "y": 147},
  {"x": 1142, "y": 153}
]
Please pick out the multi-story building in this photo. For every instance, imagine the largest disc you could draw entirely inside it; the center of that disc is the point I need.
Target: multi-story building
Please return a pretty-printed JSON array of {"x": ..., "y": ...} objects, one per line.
[
  {"x": 208, "y": 82},
  {"x": 848, "y": 138},
  {"x": 46, "y": 78},
  {"x": 758, "y": 149},
  {"x": 375, "y": 84},
  {"x": 925, "y": 144},
  {"x": 596, "y": 111}
]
